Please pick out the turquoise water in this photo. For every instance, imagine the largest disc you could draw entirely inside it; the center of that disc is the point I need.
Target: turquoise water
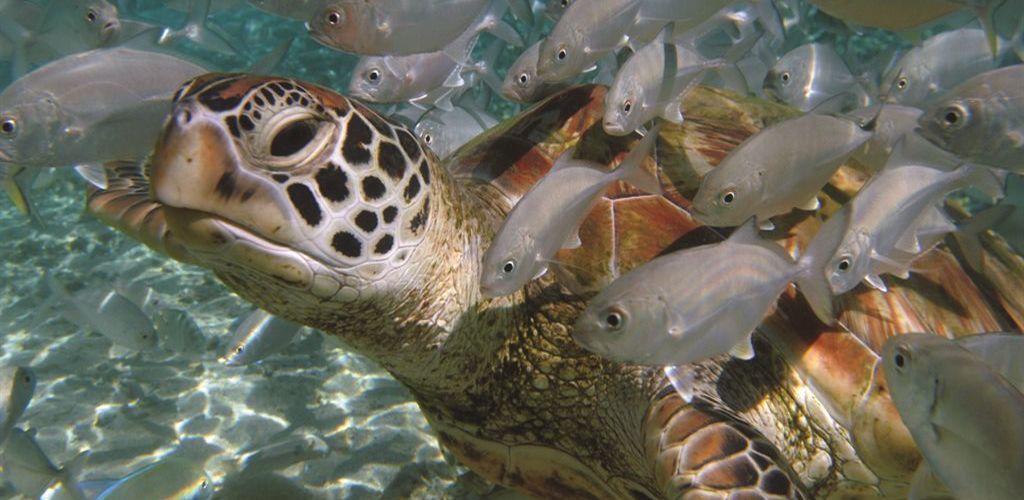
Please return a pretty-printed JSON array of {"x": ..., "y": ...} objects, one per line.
[{"x": 130, "y": 408}]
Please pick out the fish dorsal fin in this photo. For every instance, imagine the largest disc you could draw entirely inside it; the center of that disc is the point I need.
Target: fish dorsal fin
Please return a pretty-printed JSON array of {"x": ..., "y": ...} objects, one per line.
[
  {"x": 563, "y": 161},
  {"x": 573, "y": 241},
  {"x": 631, "y": 169},
  {"x": 744, "y": 349}
]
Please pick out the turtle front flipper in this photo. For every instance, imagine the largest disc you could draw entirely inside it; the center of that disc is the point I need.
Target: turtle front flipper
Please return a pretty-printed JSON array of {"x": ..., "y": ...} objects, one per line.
[{"x": 698, "y": 451}]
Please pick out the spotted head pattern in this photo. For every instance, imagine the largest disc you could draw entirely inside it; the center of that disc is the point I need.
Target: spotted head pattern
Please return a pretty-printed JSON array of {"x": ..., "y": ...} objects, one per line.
[{"x": 299, "y": 166}]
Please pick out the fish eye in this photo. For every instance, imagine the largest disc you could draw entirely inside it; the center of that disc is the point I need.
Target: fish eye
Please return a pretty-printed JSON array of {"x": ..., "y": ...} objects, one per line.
[
  {"x": 373, "y": 75},
  {"x": 785, "y": 77},
  {"x": 427, "y": 138},
  {"x": 902, "y": 83},
  {"x": 524, "y": 79},
  {"x": 90, "y": 16},
  {"x": 334, "y": 18},
  {"x": 28, "y": 379},
  {"x": 565, "y": 4},
  {"x": 9, "y": 126},
  {"x": 614, "y": 318},
  {"x": 562, "y": 54},
  {"x": 627, "y": 105},
  {"x": 844, "y": 264},
  {"x": 508, "y": 266},
  {"x": 728, "y": 197},
  {"x": 953, "y": 117},
  {"x": 901, "y": 357}
]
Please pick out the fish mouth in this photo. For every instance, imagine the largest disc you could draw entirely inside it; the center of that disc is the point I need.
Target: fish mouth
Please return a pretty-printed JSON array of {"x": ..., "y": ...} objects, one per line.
[
  {"x": 109, "y": 30},
  {"x": 931, "y": 136}
]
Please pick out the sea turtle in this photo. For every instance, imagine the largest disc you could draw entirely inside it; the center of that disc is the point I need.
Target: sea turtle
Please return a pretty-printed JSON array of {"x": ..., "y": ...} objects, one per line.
[{"x": 319, "y": 210}]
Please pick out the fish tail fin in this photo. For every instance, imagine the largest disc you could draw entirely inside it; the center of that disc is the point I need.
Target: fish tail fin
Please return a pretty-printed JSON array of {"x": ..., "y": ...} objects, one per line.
[
  {"x": 16, "y": 182},
  {"x": 968, "y": 234},
  {"x": 631, "y": 169},
  {"x": 490, "y": 21},
  {"x": 988, "y": 23},
  {"x": 266, "y": 64},
  {"x": 196, "y": 30},
  {"x": 69, "y": 473},
  {"x": 522, "y": 10},
  {"x": 986, "y": 180}
]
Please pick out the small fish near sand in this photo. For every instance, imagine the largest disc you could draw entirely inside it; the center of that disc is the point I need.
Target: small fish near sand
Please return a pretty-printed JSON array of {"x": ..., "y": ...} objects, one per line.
[
  {"x": 17, "y": 385},
  {"x": 108, "y": 313},
  {"x": 259, "y": 335}
]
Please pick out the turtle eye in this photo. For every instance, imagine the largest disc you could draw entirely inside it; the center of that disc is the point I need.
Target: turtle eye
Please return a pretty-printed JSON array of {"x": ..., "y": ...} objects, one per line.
[
  {"x": 844, "y": 264},
  {"x": 728, "y": 197},
  {"x": 627, "y": 105},
  {"x": 954, "y": 117},
  {"x": 334, "y": 18},
  {"x": 561, "y": 54},
  {"x": 614, "y": 318},
  {"x": 524, "y": 79},
  {"x": 373, "y": 75},
  {"x": 508, "y": 266},
  {"x": 293, "y": 138},
  {"x": 90, "y": 16},
  {"x": 785, "y": 77},
  {"x": 9, "y": 126},
  {"x": 902, "y": 83}
]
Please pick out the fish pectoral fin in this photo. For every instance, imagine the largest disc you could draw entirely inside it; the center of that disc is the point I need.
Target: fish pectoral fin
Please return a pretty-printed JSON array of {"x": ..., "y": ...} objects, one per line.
[
  {"x": 811, "y": 204},
  {"x": 543, "y": 270},
  {"x": 744, "y": 349},
  {"x": 682, "y": 380},
  {"x": 924, "y": 484},
  {"x": 876, "y": 282},
  {"x": 94, "y": 173},
  {"x": 573, "y": 241},
  {"x": 765, "y": 224}
]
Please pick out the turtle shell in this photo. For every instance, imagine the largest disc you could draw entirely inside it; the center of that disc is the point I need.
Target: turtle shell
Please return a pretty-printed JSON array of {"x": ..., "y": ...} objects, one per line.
[{"x": 628, "y": 228}]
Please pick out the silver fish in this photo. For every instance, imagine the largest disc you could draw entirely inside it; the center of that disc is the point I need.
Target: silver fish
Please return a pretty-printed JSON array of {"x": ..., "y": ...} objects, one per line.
[
  {"x": 522, "y": 84},
  {"x": 981, "y": 120},
  {"x": 938, "y": 388},
  {"x": 777, "y": 169},
  {"x": 894, "y": 123},
  {"x": 812, "y": 74},
  {"x": 17, "y": 384},
  {"x": 653, "y": 315},
  {"x": 39, "y": 35},
  {"x": 100, "y": 105},
  {"x": 169, "y": 478},
  {"x": 426, "y": 78},
  {"x": 583, "y": 35},
  {"x": 1002, "y": 352},
  {"x": 643, "y": 89},
  {"x": 393, "y": 27},
  {"x": 109, "y": 314},
  {"x": 943, "y": 61},
  {"x": 31, "y": 471},
  {"x": 177, "y": 331},
  {"x": 546, "y": 218},
  {"x": 259, "y": 335},
  {"x": 884, "y": 217},
  {"x": 446, "y": 131}
]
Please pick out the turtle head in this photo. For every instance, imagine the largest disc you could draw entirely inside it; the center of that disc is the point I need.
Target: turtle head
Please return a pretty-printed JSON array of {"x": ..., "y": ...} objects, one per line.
[{"x": 274, "y": 183}]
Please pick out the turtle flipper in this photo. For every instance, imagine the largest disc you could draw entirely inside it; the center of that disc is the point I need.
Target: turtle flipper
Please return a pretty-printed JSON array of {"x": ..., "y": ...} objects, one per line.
[{"x": 700, "y": 452}]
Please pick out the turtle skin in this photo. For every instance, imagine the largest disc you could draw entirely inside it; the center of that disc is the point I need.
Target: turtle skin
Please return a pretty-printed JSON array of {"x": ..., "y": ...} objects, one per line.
[{"x": 280, "y": 216}]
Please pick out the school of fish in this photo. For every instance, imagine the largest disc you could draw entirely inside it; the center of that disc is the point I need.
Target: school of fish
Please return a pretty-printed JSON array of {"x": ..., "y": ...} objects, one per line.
[{"x": 92, "y": 82}]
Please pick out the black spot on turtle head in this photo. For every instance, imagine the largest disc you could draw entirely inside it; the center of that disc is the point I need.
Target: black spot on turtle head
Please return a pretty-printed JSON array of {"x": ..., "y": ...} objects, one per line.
[
  {"x": 373, "y": 188},
  {"x": 259, "y": 100},
  {"x": 409, "y": 145},
  {"x": 286, "y": 85},
  {"x": 384, "y": 244},
  {"x": 232, "y": 123},
  {"x": 366, "y": 220},
  {"x": 304, "y": 201},
  {"x": 332, "y": 183},
  {"x": 277, "y": 89},
  {"x": 268, "y": 95},
  {"x": 412, "y": 188},
  {"x": 357, "y": 139},
  {"x": 391, "y": 160},
  {"x": 420, "y": 219},
  {"x": 246, "y": 123},
  {"x": 390, "y": 213},
  {"x": 382, "y": 126},
  {"x": 347, "y": 244},
  {"x": 216, "y": 98},
  {"x": 281, "y": 178},
  {"x": 425, "y": 171},
  {"x": 226, "y": 185}
]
